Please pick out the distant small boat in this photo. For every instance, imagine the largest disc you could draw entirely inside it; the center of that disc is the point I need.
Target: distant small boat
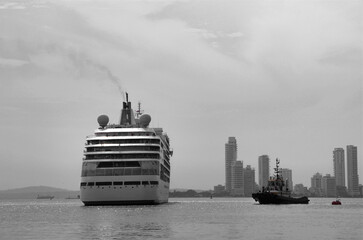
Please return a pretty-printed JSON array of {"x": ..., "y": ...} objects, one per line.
[
  {"x": 45, "y": 197},
  {"x": 336, "y": 202},
  {"x": 73, "y": 197}
]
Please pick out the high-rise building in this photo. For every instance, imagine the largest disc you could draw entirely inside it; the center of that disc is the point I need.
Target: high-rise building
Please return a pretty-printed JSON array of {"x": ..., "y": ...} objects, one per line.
[
  {"x": 237, "y": 179},
  {"x": 287, "y": 176},
  {"x": 249, "y": 181},
  {"x": 339, "y": 166},
  {"x": 329, "y": 186},
  {"x": 316, "y": 187},
  {"x": 263, "y": 170},
  {"x": 352, "y": 171},
  {"x": 230, "y": 158}
]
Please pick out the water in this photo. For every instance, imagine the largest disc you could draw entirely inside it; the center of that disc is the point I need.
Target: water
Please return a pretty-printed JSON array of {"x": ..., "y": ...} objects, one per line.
[{"x": 218, "y": 218}]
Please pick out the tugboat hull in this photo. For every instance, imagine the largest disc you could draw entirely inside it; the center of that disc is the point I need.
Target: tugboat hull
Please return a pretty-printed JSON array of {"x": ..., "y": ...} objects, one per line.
[{"x": 270, "y": 198}]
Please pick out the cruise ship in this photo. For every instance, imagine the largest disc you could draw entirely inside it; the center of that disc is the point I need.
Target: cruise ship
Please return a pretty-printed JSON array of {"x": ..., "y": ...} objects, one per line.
[{"x": 126, "y": 163}]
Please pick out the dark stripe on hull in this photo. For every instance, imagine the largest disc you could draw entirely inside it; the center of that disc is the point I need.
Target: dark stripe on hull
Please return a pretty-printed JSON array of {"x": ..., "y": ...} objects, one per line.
[
  {"x": 117, "y": 203},
  {"x": 268, "y": 198}
]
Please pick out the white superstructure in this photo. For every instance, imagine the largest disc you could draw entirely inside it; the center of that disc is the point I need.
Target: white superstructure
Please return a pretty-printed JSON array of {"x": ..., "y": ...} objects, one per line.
[{"x": 126, "y": 163}]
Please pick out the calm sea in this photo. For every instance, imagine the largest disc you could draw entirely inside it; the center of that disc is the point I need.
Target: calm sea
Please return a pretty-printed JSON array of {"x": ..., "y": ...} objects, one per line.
[{"x": 218, "y": 218}]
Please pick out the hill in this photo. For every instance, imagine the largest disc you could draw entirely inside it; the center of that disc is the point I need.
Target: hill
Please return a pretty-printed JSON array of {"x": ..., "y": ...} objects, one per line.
[{"x": 33, "y": 191}]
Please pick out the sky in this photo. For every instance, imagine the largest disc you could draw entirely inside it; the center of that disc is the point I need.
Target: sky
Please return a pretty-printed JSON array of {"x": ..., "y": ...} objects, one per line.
[{"x": 283, "y": 77}]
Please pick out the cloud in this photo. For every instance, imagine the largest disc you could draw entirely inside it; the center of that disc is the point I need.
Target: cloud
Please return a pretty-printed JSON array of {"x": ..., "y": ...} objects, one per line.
[
  {"x": 269, "y": 82},
  {"x": 8, "y": 62},
  {"x": 348, "y": 56},
  {"x": 271, "y": 74}
]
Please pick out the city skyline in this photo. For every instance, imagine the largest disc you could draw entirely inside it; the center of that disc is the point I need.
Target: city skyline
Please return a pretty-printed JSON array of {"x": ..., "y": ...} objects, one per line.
[
  {"x": 239, "y": 181},
  {"x": 285, "y": 79},
  {"x": 319, "y": 185}
]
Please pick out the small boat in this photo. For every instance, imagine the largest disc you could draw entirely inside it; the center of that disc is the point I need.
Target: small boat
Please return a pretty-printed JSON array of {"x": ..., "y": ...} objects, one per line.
[
  {"x": 336, "y": 202},
  {"x": 73, "y": 197},
  {"x": 276, "y": 192},
  {"x": 45, "y": 197}
]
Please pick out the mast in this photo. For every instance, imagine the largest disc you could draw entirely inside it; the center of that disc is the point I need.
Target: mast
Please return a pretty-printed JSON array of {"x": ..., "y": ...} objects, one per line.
[{"x": 277, "y": 168}]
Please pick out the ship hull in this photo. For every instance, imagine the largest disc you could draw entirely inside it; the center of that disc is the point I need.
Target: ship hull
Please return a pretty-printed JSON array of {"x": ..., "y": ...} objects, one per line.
[
  {"x": 125, "y": 195},
  {"x": 271, "y": 198}
]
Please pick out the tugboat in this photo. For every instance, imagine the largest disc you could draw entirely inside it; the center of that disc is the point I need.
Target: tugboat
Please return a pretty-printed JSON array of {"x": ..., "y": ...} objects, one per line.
[{"x": 276, "y": 192}]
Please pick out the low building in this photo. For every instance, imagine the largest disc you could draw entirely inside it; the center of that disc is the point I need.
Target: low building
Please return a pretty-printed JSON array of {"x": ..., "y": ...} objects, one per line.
[
  {"x": 316, "y": 181},
  {"x": 249, "y": 181},
  {"x": 237, "y": 179},
  {"x": 219, "y": 189},
  {"x": 301, "y": 190},
  {"x": 329, "y": 186}
]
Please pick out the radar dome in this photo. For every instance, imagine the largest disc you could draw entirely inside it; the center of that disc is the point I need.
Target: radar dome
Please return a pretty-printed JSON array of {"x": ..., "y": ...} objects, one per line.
[
  {"x": 103, "y": 120},
  {"x": 145, "y": 120}
]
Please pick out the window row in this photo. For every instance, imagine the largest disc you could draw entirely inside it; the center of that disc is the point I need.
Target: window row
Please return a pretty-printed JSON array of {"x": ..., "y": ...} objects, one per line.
[
  {"x": 126, "y": 148},
  {"x": 123, "y": 156},
  {"x": 164, "y": 169},
  {"x": 118, "y": 183},
  {"x": 122, "y": 141},
  {"x": 119, "y": 172},
  {"x": 167, "y": 164},
  {"x": 111, "y": 134},
  {"x": 119, "y": 164},
  {"x": 164, "y": 178},
  {"x": 166, "y": 155},
  {"x": 164, "y": 174}
]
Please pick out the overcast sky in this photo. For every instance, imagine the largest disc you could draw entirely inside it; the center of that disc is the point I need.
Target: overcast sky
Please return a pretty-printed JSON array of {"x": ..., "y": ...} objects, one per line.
[{"x": 283, "y": 77}]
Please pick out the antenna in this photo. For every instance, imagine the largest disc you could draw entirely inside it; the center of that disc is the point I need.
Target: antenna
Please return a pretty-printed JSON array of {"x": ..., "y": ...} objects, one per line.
[
  {"x": 139, "y": 112},
  {"x": 127, "y": 97}
]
